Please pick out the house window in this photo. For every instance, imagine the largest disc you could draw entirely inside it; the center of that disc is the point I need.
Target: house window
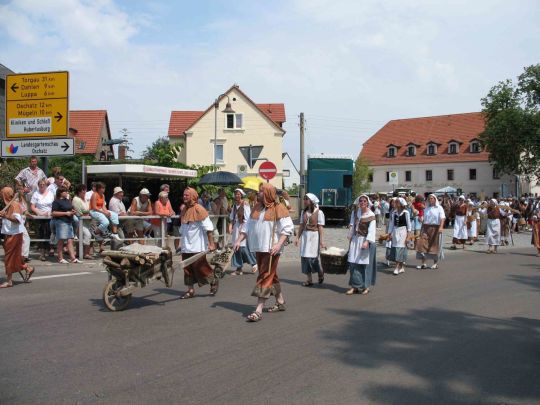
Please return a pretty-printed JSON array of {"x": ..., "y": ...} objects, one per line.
[
  {"x": 387, "y": 177},
  {"x": 472, "y": 174},
  {"x": 452, "y": 149},
  {"x": 286, "y": 173},
  {"x": 431, "y": 150},
  {"x": 82, "y": 145},
  {"x": 370, "y": 177},
  {"x": 496, "y": 174},
  {"x": 408, "y": 175},
  {"x": 429, "y": 175},
  {"x": 411, "y": 151},
  {"x": 235, "y": 121},
  {"x": 475, "y": 147},
  {"x": 450, "y": 174},
  {"x": 218, "y": 150},
  {"x": 391, "y": 152}
]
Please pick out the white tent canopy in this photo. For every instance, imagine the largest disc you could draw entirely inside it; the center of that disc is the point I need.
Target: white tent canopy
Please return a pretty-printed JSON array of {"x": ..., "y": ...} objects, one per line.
[{"x": 447, "y": 190}]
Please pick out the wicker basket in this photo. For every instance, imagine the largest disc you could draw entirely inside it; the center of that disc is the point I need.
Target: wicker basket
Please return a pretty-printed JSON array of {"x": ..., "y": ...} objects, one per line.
[{"x": 333, "y": 264}]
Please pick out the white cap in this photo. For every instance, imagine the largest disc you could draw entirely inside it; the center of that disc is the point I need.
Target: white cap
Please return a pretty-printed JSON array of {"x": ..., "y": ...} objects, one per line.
[
  {"x": 144, "y": 191},
  {"x": 240, "y": 191},
  {"x": 313, "y": 198},
  {"x": 118, "y": 190}
]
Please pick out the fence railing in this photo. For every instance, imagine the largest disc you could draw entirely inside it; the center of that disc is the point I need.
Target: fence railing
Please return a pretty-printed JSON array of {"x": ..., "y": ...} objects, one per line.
[{"x": 164, "y": 238}]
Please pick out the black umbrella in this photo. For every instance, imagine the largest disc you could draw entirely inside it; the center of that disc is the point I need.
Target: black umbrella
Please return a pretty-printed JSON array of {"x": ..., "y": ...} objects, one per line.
[{"x": 220, "y": 179}]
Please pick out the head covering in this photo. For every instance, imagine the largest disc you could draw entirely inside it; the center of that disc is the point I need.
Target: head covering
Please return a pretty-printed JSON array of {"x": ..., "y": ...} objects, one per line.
[
  {"x": 193, "y": 211},
  {"x": 313, "y": 198},
  {"x": 12, "y": 205},
  {"x": 357, "y": 201},
  {"x": 274, "y": 210},
  {"x": 436, "y": 200},
  {"x": 402, "y": 201},
  {"x": 240, "y": 191},
  {"x": 117, "y": 190},
  {"x": 461, "y": 197},
  {"x": 493, "y": 201},
  {"x": 144, "y": 191}
]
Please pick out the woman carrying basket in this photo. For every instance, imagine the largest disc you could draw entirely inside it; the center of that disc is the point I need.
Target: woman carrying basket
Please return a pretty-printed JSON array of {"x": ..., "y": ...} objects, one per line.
[
  {"x": 310, "y": 235},
  {"x": 268, "y": 227},
  {"x": 362, "y": 250}
]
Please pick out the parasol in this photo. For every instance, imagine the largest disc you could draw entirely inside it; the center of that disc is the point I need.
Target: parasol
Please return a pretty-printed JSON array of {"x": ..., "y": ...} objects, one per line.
[{"x": 220, "y": 179}]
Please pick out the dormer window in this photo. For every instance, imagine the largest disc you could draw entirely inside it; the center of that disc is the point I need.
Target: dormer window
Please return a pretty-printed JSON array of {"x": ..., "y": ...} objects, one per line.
[
  {"x": 392, "y": 151},
  {"x": 475, "y": 147},
  {"x": 411, "y": 150},
  {"x": 432, "y": 148},
  {"x": 453, "y": 148}
]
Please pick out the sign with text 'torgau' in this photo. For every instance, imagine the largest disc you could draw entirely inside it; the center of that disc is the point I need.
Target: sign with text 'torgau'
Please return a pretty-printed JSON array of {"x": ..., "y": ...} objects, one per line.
[{"x": 37, "y": 105}]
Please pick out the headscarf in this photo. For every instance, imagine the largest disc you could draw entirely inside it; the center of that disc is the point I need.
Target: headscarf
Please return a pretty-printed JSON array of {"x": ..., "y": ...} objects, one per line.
[
  {"x": 357, "y": 201},
  {"x": 493, "y": 201},
  {"x": 193, "y": 211},
  {"x": 436, "y": 200},
  {"x": 12, "y": 205},
  {"x": 402, "y": 201},
  {"x": 273, "y": 209},
  {"x": 461, "y": 197},
  {"x": 313, "y": 198},
  {"x": 240, "y": 191}
]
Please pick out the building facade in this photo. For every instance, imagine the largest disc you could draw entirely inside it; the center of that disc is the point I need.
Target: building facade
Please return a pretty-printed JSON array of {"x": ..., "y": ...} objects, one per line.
[
  {"x": 91, "y": 131},
  {"x": 291, "y": 175},
  {"x": 251, "y": 130},
  {"x": 429, "y": 153}
]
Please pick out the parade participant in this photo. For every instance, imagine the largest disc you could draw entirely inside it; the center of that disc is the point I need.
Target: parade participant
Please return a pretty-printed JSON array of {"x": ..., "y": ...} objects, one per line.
[
  {"x": 536, "y": 226},
  {"x": 493, "y": 229},
  {"x": 63, "y": 212},
  {"x": 267, "y": 230},
  {"x": 81, "y": 208},
  {"x": 196, "y": 236},
  {"x": 310, "y": 236},
  {"x": 460, "y": 225},
  {"x": 140, "y": 206},
  {"x": 482, "y": 212},
  {"x": 238, "y": 221},
  {"x": 99, "y": 212},
  {"x": 28, "y": 178},
  {"x": 12, "y": 229},
  {"x": 400, "y": 229},
  {"x": 418, "y": 207},
  {"x": 473, "y": 222},
  {"x": 163, "y": 208},
  {"x": 390, "y": 254},
  {"x": 429, "y": 245},
  {"x": 506, "y": 220},
  {"x": 362, "y": 249},
  {"x": 385, "y": 210},
  {"x": 25, "y": 213},
  {"x": 41, "y": 205}
]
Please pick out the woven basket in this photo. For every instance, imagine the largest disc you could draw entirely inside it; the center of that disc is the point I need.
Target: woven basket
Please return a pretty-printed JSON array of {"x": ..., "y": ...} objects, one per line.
[{"x": 332, "y": 264}]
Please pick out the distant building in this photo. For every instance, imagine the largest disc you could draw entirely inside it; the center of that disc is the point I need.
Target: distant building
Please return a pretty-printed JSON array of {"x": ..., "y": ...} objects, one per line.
[
  {"x": 291, "y": 175},
  {"x": 4, "y": 71},
  {"x": 259, "y": 126},
  {"x": 90, "y": 128},
  {"x": 430, "y": 153}
]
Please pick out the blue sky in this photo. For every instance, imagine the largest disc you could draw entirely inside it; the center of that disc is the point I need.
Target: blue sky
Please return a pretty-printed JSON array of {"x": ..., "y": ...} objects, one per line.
[{"x": 349, "y": 65}]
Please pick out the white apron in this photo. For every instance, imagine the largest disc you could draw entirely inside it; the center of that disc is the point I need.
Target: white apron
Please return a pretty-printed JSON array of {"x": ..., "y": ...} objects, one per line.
[
  {"x": 460, "y": 227},
  {"x": 493, "y": 232}
]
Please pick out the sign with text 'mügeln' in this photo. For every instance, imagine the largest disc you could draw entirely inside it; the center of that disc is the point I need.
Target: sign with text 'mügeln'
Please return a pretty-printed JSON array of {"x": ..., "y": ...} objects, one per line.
[{"x": 37, "y": 105}]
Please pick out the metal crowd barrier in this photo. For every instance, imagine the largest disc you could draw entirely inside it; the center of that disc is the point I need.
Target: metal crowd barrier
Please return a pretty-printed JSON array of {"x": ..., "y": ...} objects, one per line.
[{"x": 164, "y": 238}]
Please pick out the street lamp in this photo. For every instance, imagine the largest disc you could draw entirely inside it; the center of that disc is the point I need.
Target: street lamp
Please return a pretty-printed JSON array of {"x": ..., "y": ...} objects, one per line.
[{"x": 228, "y": 110}]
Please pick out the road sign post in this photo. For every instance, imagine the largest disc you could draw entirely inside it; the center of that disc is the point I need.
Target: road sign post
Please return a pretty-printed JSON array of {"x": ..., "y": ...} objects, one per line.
[
  {"x": 267, "y": 170},
  {"x": 37, "y": 105}
]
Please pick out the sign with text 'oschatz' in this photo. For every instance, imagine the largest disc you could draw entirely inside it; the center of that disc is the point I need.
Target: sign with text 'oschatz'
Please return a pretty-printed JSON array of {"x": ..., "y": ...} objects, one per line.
[
  {"x": 38, "y": 147},
  {"x": 37, "y": 105}
]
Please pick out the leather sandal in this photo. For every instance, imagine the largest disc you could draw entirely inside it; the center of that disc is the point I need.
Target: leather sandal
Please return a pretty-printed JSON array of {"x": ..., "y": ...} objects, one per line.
[
  {"x": 277, "y": 307},
  {"x": 29, "y": 271},
  {"x": 254, "y": 317},
  {"x": 214, "y": 287},
  {"x": 352, "y": 291},
  {"x": 189, "y": 294},
  {"x": 307, "y": 284}
]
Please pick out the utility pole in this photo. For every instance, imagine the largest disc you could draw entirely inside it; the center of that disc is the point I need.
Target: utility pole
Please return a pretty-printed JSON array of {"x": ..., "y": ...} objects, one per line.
[{"x": 302, "y": 190}]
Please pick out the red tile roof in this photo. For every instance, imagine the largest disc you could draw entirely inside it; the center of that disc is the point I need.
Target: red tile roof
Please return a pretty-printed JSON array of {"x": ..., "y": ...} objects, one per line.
[
  {"x": 441, "y": 129},
  {"x": 88, "y": 124},
  {"x": 181, "y": 121}
]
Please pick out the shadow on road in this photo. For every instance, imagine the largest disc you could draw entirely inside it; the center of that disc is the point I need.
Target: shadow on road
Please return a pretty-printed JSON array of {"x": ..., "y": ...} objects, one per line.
[
  {"x": 234, "y": 306},
  {"x": 136, "y": 301},
  {"x": 316, "y": 286},
  {"x": 531, "y": 281},
  {"x": 442, "y": 356}
]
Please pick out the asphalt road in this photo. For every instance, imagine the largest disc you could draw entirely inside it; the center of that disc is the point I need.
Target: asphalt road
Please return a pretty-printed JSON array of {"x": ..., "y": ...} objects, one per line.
[{"x": 468, "y": 333}]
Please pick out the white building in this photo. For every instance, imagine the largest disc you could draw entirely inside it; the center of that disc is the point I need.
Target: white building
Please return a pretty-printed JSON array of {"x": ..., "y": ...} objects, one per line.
[
  {"x": 291, "y": 175},
  {"x": 430, "y": 153}
]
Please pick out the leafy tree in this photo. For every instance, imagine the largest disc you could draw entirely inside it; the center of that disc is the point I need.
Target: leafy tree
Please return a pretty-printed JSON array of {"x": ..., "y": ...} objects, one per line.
[
  {"x": 512, "y": 131},
  {"x": 9, "y": 169},
  {"x": 162, "y": 153},
  {"x": 361, "y": 176}
]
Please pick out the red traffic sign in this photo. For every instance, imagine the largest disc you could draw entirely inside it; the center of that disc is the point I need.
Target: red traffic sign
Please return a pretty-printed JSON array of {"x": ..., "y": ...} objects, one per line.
[{"x": 267, "y": 170}]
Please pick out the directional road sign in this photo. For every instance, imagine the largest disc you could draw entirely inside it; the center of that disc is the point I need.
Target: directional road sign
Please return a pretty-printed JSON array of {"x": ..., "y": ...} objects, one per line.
[
  {"x": 267, "y": 170},
  {"x": 37, "y": 105},
  {"x": 38, "y": 147}
]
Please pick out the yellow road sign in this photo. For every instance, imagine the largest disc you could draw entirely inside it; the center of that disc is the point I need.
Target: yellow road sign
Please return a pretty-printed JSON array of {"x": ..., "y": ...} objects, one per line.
[{"x": 37, "y": 104}]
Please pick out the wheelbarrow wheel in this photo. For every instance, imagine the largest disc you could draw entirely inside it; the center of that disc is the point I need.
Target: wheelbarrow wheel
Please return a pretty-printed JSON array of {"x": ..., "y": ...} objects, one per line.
[{"x": 112, "y": 300}]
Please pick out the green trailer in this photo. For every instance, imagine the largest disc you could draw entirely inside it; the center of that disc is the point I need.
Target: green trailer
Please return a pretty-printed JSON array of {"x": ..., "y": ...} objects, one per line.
[{"x": 330, "y": 179}]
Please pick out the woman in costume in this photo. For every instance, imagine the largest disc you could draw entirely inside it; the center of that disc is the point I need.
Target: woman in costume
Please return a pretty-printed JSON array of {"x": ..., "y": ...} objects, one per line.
[
  {"x": 400, "y": 230},
  {"x": 238, "y": 217},
  {"x": 310, "y": 235},
  {"x": 493, "y": 228},
  {"x": 362, "y": 249},
  {"x": 536, "y": 226},
  {"x": 429, "y": 245},
  {"x": 267, "y": 230},
  {"x": 460, "y": 225},
  {"x": 196, "y": 232}
]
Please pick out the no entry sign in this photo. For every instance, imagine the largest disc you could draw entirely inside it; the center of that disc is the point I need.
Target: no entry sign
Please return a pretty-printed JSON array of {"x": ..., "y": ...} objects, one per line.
[{"x": 267, "y": 170}]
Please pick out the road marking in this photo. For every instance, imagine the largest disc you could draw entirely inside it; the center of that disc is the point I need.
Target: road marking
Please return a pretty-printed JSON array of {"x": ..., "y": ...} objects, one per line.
[{"x": 60, "y": 275}]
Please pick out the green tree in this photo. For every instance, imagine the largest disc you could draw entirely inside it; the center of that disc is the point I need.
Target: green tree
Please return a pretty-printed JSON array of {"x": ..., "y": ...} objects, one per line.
[
  {"x": 512, "y": 130},
  {"x": 162, "y": 153},
  {"x": 361, "y": 176}
]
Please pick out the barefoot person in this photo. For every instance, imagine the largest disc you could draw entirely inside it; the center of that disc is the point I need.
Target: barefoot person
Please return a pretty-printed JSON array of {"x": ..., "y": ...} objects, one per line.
[
  {"x": 268, "y": 228},
  {"x": 12, "y": 229},
  {"x": 429, "y": 245},
  {"x": 310, "y": 235},
  {"x": 362, "y": 253},
  {"x": 196, "y": 232}
]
